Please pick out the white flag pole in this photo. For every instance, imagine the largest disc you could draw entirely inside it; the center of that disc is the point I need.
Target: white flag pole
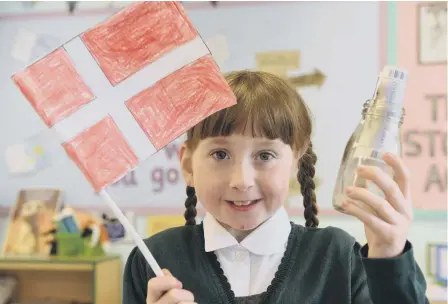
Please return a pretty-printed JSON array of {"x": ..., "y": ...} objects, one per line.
[{"x": 130, "y": 229}]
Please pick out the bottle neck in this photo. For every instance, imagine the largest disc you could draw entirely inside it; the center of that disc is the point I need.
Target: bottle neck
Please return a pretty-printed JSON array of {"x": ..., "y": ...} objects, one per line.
[
  {"x": 381, "y": 112},
  {"x": 371, "y": 111},
  {"x": 387, "y": 100}
]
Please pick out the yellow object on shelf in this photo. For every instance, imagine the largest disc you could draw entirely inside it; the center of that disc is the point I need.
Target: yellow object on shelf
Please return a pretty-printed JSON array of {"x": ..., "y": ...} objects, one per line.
[{"x": 158, "y": 223}]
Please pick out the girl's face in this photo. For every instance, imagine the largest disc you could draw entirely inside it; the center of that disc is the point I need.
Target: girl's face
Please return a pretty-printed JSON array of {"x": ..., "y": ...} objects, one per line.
[{"x": 241, "y": 180}]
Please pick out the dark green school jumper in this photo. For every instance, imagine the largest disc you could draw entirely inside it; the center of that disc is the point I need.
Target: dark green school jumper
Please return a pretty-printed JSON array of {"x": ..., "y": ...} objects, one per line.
[{"x": 320, "y": 266}]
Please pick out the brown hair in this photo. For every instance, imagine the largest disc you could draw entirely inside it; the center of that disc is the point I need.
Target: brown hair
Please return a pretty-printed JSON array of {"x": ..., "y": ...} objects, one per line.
[{"x": 271, "y": 108}]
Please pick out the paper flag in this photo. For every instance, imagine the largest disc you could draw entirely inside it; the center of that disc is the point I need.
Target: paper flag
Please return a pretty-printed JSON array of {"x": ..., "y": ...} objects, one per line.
[{"x": 121, "y": 91}]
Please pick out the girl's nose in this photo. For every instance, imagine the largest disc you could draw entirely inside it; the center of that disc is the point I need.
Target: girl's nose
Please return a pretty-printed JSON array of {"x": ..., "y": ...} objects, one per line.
[{"x": 242, "y": 177}]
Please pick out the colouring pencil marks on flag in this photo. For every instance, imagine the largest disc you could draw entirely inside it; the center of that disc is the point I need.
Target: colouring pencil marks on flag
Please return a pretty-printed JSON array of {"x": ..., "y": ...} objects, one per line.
[
  {"x": 102, "y": 153},
  {"x": 138, "y": 36},
  {"x": 53, "y": 87},
  {"x": 182, "y": 99}
]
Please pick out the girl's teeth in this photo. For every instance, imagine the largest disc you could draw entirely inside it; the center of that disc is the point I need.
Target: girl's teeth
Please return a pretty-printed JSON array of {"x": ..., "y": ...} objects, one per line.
[{"x": 242, "y": 203}]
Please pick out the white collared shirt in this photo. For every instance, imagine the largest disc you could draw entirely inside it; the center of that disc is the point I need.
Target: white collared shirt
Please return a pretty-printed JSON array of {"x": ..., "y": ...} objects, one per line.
[{"x": 250, "y": 265}]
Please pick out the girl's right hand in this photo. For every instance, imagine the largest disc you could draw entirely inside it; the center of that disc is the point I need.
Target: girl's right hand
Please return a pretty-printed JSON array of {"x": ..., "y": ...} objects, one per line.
[{"x": 167, "y": 290}]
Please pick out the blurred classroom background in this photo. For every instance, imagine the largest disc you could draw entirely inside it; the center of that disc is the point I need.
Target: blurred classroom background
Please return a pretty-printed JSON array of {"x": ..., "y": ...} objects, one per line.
[{"x": 338, "y": 47}]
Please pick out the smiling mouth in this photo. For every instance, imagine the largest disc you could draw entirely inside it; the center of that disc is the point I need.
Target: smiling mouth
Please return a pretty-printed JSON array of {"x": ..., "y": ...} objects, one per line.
[{"x": 243, "y": 203}]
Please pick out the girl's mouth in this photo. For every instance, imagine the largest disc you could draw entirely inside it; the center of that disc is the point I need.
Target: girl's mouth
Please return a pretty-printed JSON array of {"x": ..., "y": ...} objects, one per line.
[{"x": 243, "y": 205}]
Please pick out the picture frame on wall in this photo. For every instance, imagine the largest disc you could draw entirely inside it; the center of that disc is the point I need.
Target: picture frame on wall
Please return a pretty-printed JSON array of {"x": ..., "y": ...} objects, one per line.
[
  {"x": 432, "y": 33},
  {"x": 29, "y": 220}
]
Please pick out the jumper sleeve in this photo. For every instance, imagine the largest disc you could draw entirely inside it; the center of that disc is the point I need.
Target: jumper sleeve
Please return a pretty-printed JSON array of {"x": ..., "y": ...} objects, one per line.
[
  {"x": 387, "y": 281},
  {"x": 135, "y": 279}
]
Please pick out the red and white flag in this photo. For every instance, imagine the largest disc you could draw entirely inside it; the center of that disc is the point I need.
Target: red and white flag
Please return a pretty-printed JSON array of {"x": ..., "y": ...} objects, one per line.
[{"x": 121, "y": 91}]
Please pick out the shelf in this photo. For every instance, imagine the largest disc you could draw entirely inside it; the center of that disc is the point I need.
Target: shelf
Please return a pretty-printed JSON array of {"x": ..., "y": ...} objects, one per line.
[{"x": 93, "y": 280}]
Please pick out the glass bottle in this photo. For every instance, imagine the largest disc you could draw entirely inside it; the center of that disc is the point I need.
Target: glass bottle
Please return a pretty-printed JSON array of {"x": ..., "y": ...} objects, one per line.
[
  {"x": 377, "y": 132},
  {"x": 338, "y": 187}
]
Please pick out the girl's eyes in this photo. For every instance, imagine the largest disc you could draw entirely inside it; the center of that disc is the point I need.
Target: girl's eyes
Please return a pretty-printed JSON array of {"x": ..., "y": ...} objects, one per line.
[
  {"x": 263, "y": 156},
  {"x": 219, "y": 155}
]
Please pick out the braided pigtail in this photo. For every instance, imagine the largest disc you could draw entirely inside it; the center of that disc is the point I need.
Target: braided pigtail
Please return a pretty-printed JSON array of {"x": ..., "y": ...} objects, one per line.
[
  {"x": 190, "y": 205},
  {"x": 307, "y": 185}
]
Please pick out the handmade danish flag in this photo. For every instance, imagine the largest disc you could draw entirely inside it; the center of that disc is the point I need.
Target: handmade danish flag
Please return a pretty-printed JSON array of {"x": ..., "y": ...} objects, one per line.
[{"x": 121, "y": 91}]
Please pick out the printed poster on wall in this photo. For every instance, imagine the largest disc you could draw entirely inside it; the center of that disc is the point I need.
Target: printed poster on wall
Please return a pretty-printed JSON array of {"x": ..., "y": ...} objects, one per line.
[{"x": 425, "y": 123}]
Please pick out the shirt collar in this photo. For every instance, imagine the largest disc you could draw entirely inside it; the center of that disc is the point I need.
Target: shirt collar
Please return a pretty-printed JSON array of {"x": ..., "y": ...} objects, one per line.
[{"x": 276, "y": 229}]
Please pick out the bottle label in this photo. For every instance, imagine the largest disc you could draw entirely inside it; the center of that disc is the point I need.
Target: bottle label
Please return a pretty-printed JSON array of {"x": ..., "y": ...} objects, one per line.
[
  {"x": 385, "y": 135},
  {"x": 366, "y": 152},
  {"x": 390, "y": 86},
  {"x": 379, "y": 134},
  {"x": 390, "y": 91}
]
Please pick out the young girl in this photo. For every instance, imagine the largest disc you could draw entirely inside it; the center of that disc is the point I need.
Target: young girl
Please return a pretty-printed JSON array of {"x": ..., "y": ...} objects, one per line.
[{"x": 237, "y": 163}]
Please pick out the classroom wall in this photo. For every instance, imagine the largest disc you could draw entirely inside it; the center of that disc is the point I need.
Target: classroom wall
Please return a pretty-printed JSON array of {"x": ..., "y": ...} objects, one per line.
[
  {"x": 339, "y": 52},
  {"x": 345, "y": 40}
]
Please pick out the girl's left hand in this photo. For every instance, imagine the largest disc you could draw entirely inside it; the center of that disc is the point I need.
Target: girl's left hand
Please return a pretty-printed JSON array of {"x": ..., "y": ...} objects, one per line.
[{"x": 388, "y": 227}]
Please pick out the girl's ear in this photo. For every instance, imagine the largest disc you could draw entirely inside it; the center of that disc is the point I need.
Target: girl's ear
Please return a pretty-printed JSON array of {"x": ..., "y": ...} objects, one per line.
[{"x": 185, "y": 157}]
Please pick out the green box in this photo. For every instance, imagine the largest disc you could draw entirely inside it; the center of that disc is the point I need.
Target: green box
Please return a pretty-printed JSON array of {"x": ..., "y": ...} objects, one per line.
[
  {"x": 70, "y": 244},
  {"x": 73, "y": 245}
]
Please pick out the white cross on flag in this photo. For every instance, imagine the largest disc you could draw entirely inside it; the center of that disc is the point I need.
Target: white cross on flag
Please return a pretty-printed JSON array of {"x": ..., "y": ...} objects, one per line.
[{"x": 121, "y": 91}]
